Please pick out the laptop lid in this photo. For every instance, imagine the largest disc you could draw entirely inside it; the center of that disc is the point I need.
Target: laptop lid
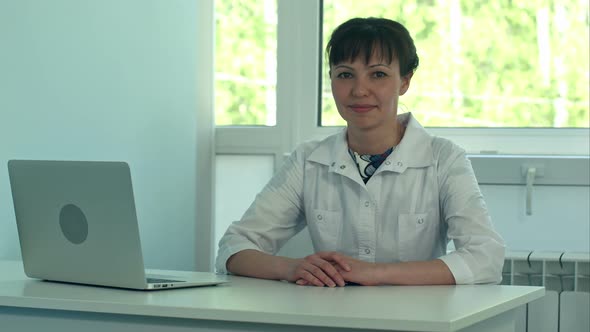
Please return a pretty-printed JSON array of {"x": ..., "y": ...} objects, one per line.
[{"x": 77, "y": 223}]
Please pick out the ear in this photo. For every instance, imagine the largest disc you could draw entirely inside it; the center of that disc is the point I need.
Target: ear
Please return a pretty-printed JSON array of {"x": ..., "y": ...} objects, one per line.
[{"x": 405, "y": 83}]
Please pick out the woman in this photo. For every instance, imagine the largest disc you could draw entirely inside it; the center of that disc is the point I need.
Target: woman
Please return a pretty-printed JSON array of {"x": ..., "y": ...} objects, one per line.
[{"x": 382, "y": 198}]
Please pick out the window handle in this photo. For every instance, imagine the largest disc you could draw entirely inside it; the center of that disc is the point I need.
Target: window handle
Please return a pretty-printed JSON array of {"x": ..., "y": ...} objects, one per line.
[{"x": 530, "y": 179}]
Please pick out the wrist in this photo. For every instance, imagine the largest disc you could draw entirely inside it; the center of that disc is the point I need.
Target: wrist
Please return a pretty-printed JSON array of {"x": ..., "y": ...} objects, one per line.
[
  {"x": 283, "y": 267},
  {"x": 381, "y": 272}
]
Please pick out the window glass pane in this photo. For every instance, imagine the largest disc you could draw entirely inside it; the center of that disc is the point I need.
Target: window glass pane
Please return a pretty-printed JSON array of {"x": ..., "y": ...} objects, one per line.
[
  {"x": 245, "y": 62},
  {"x": 485, "y": 63},
  {"x": 234, "y": 192}
]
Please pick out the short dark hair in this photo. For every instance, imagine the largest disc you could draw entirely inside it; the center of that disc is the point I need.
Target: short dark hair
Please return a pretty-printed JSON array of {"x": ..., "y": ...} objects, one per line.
[{"x": 362, "y": 36}]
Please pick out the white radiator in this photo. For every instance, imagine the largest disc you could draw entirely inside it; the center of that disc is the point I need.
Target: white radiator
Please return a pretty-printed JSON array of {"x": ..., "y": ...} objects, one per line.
[{"x": 566, "y": 277}]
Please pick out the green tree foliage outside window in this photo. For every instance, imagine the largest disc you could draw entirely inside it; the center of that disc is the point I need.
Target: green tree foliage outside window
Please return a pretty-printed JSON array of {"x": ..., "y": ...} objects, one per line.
[
  {"x": 245, "y": 62},
  {"x": 486, "y": 63}
]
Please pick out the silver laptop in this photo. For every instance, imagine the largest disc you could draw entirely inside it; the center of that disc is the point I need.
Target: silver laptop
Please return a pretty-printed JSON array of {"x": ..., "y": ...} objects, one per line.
[{"x": 77, "y": 223}]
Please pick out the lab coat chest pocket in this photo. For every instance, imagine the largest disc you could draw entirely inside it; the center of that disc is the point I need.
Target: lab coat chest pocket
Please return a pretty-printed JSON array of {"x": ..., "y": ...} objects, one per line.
[
  {"x": 417, "y": 236},
  {"x": 325, "y": 229}
]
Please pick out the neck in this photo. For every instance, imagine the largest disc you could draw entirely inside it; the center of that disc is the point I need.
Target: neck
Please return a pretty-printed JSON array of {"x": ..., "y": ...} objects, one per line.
[{"x": 376, "y": 140}]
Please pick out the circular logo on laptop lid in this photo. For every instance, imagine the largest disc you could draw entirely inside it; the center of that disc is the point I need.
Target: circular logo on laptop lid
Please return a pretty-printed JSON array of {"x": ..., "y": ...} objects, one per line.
[{"x": 73, "y": 224}]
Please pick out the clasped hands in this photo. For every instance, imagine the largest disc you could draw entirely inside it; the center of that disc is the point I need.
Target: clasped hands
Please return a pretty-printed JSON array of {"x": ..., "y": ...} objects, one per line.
[{"x": 332, "y": 269}]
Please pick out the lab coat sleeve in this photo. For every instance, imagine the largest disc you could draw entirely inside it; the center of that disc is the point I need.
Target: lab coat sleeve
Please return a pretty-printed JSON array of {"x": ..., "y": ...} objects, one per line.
[
  {"x": 274, "y": 217},
  {"x": 479, "y": 254}
]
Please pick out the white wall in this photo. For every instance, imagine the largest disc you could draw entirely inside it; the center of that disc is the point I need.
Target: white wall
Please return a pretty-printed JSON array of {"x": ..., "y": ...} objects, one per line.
[
  {"x": 560, "y": 219},
  {"x": 106, "y": 80}
]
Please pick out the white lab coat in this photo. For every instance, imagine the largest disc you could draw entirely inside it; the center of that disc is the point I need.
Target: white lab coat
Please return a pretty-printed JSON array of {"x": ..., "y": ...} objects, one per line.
[{"x": 422, "y": 196}]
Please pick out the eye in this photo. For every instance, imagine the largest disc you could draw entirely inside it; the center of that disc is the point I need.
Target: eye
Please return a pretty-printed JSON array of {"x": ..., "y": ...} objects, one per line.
[
  {"x": 344, "y": 74},
  {"x": 379, "y": 74}
]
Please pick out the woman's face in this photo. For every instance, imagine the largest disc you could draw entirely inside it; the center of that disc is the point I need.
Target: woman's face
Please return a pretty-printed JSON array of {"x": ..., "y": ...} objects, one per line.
[{"x": 366, "y": 95}]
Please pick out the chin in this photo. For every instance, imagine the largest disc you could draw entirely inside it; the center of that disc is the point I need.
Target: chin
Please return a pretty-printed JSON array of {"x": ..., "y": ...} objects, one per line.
[{"x": 363, "y": 125}]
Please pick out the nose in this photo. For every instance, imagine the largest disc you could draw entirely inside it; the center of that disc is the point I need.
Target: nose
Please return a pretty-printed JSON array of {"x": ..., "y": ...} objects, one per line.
[{"x": 359, "y": 88}]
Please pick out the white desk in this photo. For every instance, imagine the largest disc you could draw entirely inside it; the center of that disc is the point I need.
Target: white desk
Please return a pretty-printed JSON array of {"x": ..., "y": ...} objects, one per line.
[{"x": 255, "y": 305}]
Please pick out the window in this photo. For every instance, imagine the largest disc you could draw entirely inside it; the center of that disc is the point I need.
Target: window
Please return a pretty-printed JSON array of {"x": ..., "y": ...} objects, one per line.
[
  {"x": 485, "y": 63},
  {"x": 245, "y": 66}
]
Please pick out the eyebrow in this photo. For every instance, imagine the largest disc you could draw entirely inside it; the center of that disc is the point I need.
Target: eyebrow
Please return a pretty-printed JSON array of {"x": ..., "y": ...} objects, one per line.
[
  {"x": 370, "y": 66},
  {"x": 380, "y": 65}
]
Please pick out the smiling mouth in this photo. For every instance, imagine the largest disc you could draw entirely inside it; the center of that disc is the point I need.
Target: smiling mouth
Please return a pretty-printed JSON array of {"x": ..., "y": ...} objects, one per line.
[{"x": 361, "y": 108}]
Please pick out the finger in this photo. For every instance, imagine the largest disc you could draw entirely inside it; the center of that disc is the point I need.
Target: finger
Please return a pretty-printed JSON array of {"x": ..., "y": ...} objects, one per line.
[
  {"x": 330, "y": 271},
  {"x": 311, "y": 279},
  {"x": 341, "y": 271},
  {"x": 337, "y": 258},
  {"x": 305, "y": 271},
  {"x": 302, "y": 282},
  {"x": 319, "y": 273},
  {"x": 325, "y": 271}
]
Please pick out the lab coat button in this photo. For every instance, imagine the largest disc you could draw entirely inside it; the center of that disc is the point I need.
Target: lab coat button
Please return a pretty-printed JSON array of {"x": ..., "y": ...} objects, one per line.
[
  {"x": 367, "y": 251},
  {"x": 367, "y": 203},
  {"x": 388, "y": 162},
  {"x": 420, "y": 221},
  {"x": 320, "y": 217},
  {"x": 400, "y": 164},
  {"x": 333, "y": 163},
  {"x": 342, "y": 166}
]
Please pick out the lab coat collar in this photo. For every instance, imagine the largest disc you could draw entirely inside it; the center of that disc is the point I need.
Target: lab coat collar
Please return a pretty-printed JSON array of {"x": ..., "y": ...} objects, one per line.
[{"x": 414, "y": 150}]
